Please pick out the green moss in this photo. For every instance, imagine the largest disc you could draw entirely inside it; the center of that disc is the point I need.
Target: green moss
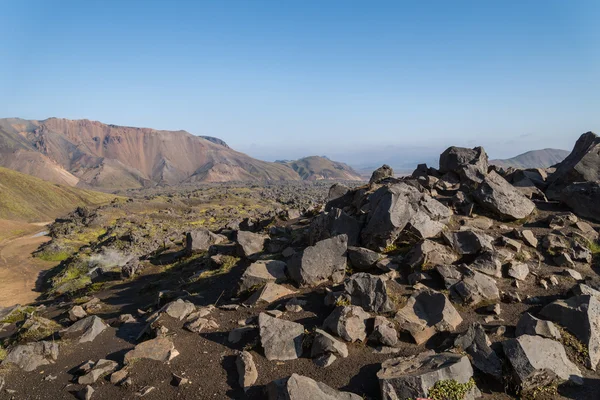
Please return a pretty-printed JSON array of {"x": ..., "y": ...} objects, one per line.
[
  {"x": 2, "y": 353},
  {"x": 342, "y": 301},
  {"x": 37, "y": 328},
  {"x": 228, "y": 263},
  {"x": 450, "y": 390},
  {"x": 541, "y": 392},
  {"x": 18, "y": 315},
  {"x": 53, "y": 256},
  {"x": 579, "y": 349},
  {"x": 594, "y": 247}
]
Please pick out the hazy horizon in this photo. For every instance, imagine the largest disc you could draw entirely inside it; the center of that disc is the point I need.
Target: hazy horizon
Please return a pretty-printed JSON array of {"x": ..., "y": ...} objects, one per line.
[{"x": 360, "y": 83}]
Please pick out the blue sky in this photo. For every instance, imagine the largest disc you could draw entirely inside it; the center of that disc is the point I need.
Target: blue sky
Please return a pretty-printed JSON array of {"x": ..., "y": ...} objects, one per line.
[{"x": 361, "y": 81}]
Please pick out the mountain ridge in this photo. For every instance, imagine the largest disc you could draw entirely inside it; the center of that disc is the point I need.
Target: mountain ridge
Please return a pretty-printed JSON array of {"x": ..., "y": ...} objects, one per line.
[{"x": 542, "y": 158}]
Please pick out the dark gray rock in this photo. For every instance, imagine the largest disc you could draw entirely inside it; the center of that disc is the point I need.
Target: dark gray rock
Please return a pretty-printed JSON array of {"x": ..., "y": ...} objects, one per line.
[
  {"x": 469, "y": 241},
  {"x": 476, "y": 343},
  {"x": 455, "y": 159},
  {"x": 85, "y": 330},
  {"x": 100, "y": 369},
  {"x": 250, "y": 243},
  {"x": 334, "y": 223},
  {"x": 381, "y": 173},
  {"x": 362, "y": 259},
  {"x": 30, "y": 356},
  {"x": 326, "y": 260},
  {"x": 201, "y": 240},
  {"x": 324, "y": 343},
  {"x": 263, "y": 272},
  {"x": 280, "y": 339},
  {"x": 489, "y": 263},
  {"x": 429, "y": 253},
  {"x": 413, "y": 377},
  {"x": 503, "y": 199},
  {"x": 583, "y": 198},
  {"x": 384, "y": 332},
  {"x": 530, "y": 325},
  {"x": 476, "y": 287},
  {"x": 298, "y": 387},
  {"x": 369, "y": 292}
]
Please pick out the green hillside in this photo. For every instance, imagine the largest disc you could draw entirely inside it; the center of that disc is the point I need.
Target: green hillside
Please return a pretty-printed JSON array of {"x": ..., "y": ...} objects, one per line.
[{"x": 26, "y": 198}]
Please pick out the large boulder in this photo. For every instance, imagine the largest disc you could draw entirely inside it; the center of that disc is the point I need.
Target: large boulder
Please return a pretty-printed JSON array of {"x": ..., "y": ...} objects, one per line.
[
  {"x": 381, "y": 173},
  {"x": 393, "y": 208},
  {"x": 250, "y": 243},
  {"x": 532, "y": 356},
  {"x": 201, "y": 240},
  {"x": 415, "y": 377},
  {"x": 369, "y": 292},
  {"x": 348, "y": 322},
  {"x": 503, "y": 199},
  {"x": 160, "y": 349},
  {"x": 321, "y": 262},
  {"x": 426, "y": 313},
  {"x": 85, "y": 330},
  {"x": 582, "y": 165},
  {"x": 362, "y": 259},
  {"x": 456, "y": 159},
  {"x": 280, "y": 339},
  {"x": 32, "y": 355},
  {"x": 580, "y": 315},
  {"x": 583, "y": 198},
  {"x": 262, "y": 272},
  {"x": 298, "y": 387},
  {"x": 333, "y": 223}
]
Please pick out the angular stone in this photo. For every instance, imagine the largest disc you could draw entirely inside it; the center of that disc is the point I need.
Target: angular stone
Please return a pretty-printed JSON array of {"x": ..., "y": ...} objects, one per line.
[
  {"x": 199, "y": 324},
  {"x": 450, "y": 274},
  {"x": 384, "y": 332},
  {"x": 429, "y": 253},
  {"x": 413, "y": 377},
  {"x": 262, "y": 272},
  {"x": 528, "y": 237},
  {"x": 280, "y": 339},
  {"x": 334, "y": 223},
  {"x": 100, "y": 369},
  {"x": 348, "y": 322},
  {"x": 476, "y": 287},
  {"x": 247, "y": 372},
  {"x": 76, "y": 313},
  {"x": 324, "y": 343},
  {"x": 531, "y": 355},
  {"x": 249, "y": 243},
  {"x": 469, "y": 242},
  {"x": 362, "y": 259},
  {"x": 489, "y": 263},
  {"x": 530, "y": 325},
  {"x": 179, "y": 309},
  {"x": 30, "y": 356},
  {"x": 381, "y": 173},
  {"x": 454, "y": 159},
  {"x": 426, "y": 313},
  {"x": 316, "y": 264},
  {"x": 476, "y": 343},
  {"x": 201, "y": 240},
  {"x": 86, "y": 393},
  {"x": 580, "y": 315},
  {"x": 159, "y": 349},
  {"x": 298, "y": 387},
  {"x": 503, "y": 199},
  {"x": 269, "y": 293},
  {"x": 85, "y": 330},
  {"x": 518, "y": 270},
  {"x": 369, "y": 292}
]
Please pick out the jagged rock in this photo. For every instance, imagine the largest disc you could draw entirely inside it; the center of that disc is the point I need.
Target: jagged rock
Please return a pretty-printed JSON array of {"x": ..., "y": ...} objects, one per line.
[
  {"x": 269, "y": 293},
  {"x": 417, "y": 277},
  {"x": 381, "y": 173},
  {"x": 387, "y": 264},
  {"x": 555, "y": 244},
  {"x": 262, "y": 272},
  {"x": 86, "y": 393},
  {"x": 325, "y": 360},
  {"x": 369, "y": 292},
  {"x": 131, "y": 268},
  {"x": 280, "y": 339},
  {"x": 426, "y": 313},
  {"x": 510, "y": 243},
  {"x": 587, "y": 230},
  {"x": 518, "y": 270},
  {"x": 530, "y": 356},
  {"x": 179, "y": 309},
  {"x": 580, "y": 315},
  {"x": 572, "y": 273},
  {"x": 394, "y": 207},
  {"x": 455, "y": 159},
  {"x": 200, "y": 324},
  {"x": 100, "y": 369},
  {"x": 362, "y": 259},
  {"x": 582, "y": 165},
  {"x": 503, "y": 199},
  {"x": 159, "y": 349},
  {"x": 413, "y": 377},
  {"x": 85, "y": 330},
  {"x": 530, "y": 325},
  {"x": 580, "y": 289},
  {"x": 201, "y": 240},
  {"x": 528, "y": 237},
  {"x": 334, "y": 223},
  {"x": 336, "y": 191},
  {"x": 469, "y": 242},
  {"x": 476, "y": 343},
  {"x": 384, "y": 332},
  {"x": 429, "y": 253},
  {"x": 118, "y": 377},
  {"x": 250, "y": 243},
  {"x": 489, "y": 263},
  {"x": 348, "y": 322},
  {"x": 450, "y": 274},
  {"x": 316, "y": 264},
  {"x": 76, "y": 313},
  {"x": 476, "y": 287},
  {"x": 247, "y": 372},
  {"x": 324, "y": 343},
  {"x": 298, "y": 387},
  {"x": 561, "y": 220},
  {"x": 581, "y": 253},
  {"x": 32, "y": 355}
]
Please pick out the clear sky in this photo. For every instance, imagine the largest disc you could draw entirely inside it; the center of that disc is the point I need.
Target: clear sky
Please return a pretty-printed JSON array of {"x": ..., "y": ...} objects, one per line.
[{"x": 356, "y": 80}]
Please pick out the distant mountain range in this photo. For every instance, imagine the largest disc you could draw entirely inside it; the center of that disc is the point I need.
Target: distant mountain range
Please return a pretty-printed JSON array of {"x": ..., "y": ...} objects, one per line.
[
  {"x": 534, "y": 159},
  {"x": 91, "y": 154},
  {"x": 27, "y": 198}
]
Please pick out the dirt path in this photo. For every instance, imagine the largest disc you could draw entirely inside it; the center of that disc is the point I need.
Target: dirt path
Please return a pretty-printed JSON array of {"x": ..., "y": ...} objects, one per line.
[{"x": 19, "y": 271}]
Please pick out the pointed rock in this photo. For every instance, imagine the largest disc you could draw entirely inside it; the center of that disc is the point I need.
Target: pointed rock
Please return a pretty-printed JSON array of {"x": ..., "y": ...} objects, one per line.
[{"x": 280, "y": 339}]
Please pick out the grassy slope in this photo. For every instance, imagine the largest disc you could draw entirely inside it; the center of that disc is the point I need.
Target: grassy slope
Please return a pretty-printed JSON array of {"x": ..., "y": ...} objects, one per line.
[{"x": 26, "y": 198}]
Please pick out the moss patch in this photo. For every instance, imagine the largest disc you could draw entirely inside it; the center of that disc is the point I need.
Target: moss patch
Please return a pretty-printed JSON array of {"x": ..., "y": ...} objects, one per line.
[
  {"x": 578, "y": 349},
  {"x": 450, "y": 390}
]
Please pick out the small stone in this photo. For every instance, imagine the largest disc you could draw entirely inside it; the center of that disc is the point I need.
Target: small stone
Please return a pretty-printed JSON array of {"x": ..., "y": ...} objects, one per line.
[
  {"x": 518, "y": 270},
  {"x": 325, "y": 360},
  {"x": 573, "y": 274},
  {"x": 144, "y": 391},
  {"x": 179, "y": 380},
  {"x": 85, "y": 393},
  {"x": 76, "y": 313},
  {"x": 247, "y": 372}
]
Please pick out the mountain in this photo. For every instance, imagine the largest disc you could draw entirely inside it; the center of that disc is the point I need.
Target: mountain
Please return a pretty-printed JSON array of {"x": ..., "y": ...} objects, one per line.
[
  {"x": 534, "y": 159},
  {"x": 322, "y": 168},
  {"x": 92, "y": 154},
  {"x": 27, "y": 198}
]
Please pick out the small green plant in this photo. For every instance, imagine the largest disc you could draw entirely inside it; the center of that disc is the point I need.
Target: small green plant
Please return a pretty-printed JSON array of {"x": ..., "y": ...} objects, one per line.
[
  {"x": 450, "y": 389},
  {"x": 579, "y": 349},
  {"x": 594, "y": 247},
  {"x": 17, "y": 315},
  {"x": 342, "y": 301},
  {"x": 540, "y": 392},
  {"x": 2, "y": 353}
]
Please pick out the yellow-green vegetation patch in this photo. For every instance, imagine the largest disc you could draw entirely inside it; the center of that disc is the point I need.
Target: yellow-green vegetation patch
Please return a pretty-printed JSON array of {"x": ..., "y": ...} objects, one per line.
[
  {"x": 2, "y": 353},
  {"x": 541, "y": 392},
  {"x": 17, "y": 315},
  {"x": 398, "y": 248},
  {"x": 342, "y": 301},
  {"x": 228, "y": 262},
  {"x": 37, "y": 328},
  {"x": 450, "y": 389},
  {"x": 54, "y": 256},
  {"x": 579, "y": 349},
  {"x": 72, "y": 278},
  {"x": 594, "y": 247}
]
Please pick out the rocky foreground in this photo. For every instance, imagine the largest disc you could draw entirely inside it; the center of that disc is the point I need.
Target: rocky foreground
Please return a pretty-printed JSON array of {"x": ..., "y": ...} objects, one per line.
[{"x": 463, "y": 282}]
